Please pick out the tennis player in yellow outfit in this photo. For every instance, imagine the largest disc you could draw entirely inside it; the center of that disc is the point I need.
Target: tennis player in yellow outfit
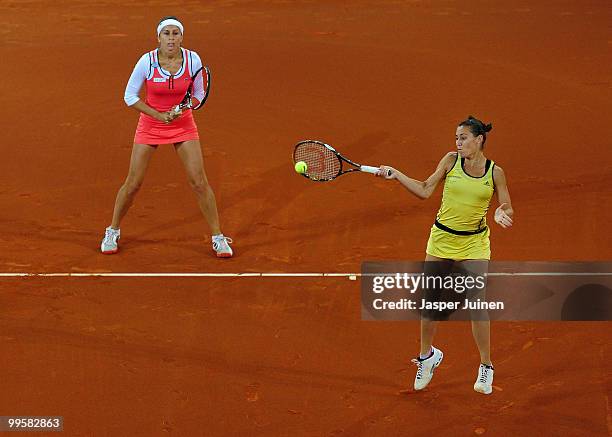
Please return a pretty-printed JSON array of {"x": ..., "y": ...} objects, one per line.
[{"x": 460, "y": 232}]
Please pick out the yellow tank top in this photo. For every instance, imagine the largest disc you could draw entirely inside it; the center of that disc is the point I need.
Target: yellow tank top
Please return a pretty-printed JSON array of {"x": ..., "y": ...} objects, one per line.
[{"x": 466, "y": 199}]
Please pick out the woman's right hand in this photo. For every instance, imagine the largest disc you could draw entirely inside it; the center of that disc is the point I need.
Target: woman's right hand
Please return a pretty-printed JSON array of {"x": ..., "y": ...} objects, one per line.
[
  {"x": 387, "y": 172},
  {"x": 166, "y": 117}
]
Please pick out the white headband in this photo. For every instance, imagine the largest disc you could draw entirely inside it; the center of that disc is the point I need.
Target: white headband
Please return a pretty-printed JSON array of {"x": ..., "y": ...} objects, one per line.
[{"x": 169, "y": 22}]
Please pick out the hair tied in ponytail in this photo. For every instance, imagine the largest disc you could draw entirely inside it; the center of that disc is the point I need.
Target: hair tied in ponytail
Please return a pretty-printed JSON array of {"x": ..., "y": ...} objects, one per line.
[{"x": 477, "y": 127}]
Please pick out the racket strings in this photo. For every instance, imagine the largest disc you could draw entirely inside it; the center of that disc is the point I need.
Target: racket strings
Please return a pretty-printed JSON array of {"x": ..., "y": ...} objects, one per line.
[{"x": 322, "y": 163}]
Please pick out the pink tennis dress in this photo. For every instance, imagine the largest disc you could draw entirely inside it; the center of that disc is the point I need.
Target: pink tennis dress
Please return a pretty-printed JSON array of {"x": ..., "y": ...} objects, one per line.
[{"x": 163, "y": 92}]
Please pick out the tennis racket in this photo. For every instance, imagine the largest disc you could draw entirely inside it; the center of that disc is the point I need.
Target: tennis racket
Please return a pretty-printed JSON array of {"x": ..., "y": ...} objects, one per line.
[
  {"x": 187, "y": 102},
  {"x": 324, "y": 163}
]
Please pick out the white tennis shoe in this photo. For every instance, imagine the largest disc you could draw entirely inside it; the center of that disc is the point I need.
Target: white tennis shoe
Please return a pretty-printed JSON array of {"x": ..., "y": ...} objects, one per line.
[
  {"x": 110, "y": 242},
  {"x": 221, "y": 246},
  {"x": 426, "y": 367},
  {"x": 484, "y": 380}
]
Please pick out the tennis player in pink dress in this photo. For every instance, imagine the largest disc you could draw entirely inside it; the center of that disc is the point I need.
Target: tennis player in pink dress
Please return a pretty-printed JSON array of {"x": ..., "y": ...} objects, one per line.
[{"x": 166, "y": 74}]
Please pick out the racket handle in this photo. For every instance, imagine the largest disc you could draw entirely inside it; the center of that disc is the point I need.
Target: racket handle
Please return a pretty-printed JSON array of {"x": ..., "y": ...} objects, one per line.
[{"x": 369, "y": 169}]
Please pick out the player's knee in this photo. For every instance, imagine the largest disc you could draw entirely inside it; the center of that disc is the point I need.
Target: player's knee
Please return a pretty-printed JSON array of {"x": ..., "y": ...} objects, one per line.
[
  {"x": 131, "y": 187},
  {"x": 199, "y": 185}
]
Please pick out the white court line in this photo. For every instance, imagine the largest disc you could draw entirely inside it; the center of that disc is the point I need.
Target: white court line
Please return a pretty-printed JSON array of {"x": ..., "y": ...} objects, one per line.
[
  {"x": 177, "y": 275},
  {"x": 350, "y": 276}
]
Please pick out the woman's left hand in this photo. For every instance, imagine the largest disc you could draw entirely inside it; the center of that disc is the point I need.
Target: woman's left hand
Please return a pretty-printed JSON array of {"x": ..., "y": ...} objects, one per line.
[{"x": 502, "y": 216}]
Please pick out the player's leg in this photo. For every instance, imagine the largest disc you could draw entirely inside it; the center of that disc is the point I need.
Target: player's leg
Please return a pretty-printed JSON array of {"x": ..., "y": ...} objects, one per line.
[
  {"x": 481, "y": 330},
  {"x": 190, "y": 153},
  {"x": 429, "y": 326},
  {"x": 481, "y": 326},
  {"x": 484, "y": 378},
  {"x": 139, "y": 162},
  {"x": 430, "y": 357}
]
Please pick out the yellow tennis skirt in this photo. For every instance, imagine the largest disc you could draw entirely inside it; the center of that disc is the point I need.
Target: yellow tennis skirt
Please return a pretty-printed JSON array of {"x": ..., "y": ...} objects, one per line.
[{"x": 443, "y": 244}]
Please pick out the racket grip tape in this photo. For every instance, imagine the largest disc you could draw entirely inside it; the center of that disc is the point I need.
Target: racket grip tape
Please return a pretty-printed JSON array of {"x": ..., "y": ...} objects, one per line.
[{"x": 369, "y": 169}]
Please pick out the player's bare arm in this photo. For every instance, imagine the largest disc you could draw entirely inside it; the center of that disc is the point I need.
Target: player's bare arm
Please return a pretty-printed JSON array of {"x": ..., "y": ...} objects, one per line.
[
  {"x": 421, "y": 189},
  {"x": 504, "y": 212}
]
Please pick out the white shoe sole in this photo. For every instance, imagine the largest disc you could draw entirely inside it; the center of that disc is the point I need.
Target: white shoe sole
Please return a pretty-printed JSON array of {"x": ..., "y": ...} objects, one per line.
[
  {"x": 109, "y": 252},
  {"x": 224, "y": 255},
  {"x": 483, "y": 390}
]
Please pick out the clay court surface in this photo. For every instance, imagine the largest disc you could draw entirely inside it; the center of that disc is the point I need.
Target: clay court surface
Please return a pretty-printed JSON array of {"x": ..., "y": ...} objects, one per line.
[{"x": 383, "y": 81}]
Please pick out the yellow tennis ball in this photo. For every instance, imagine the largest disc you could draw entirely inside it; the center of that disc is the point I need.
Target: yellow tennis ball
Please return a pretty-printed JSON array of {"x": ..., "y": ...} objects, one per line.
[{"x": 301, "y": 167}]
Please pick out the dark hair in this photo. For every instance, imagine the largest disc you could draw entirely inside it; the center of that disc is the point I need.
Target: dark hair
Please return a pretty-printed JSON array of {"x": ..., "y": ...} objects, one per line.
[
  {"x": 169, "y": 17},
  {"x": 477, "y": 127}
]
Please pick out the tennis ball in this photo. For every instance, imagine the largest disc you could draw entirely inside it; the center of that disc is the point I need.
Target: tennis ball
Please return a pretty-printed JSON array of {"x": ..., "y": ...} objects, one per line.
[{"x": 301, "y": 167}]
